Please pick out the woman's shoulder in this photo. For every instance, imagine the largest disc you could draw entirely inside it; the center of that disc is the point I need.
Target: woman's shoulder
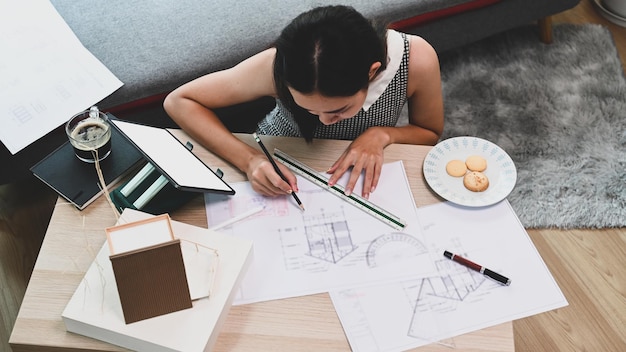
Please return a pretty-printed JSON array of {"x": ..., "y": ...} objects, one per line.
[
  {"x": 418, "y": 43},
  {"x": 420, "y": 50},
  {"x": 424, "y": 71},
  {"x": 412, "y": 38},
  {"x": 263, "y": 59},
  {"x": 422, "y": 55},
  {"x": 255, "y": 72}
]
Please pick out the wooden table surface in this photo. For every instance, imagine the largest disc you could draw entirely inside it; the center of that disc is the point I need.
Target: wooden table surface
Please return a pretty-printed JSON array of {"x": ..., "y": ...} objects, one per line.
[{"x": 297, "y": 324}]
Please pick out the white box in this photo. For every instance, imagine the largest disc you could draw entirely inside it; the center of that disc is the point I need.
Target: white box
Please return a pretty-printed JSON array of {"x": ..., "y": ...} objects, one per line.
[{"x": 95, "y": 309}]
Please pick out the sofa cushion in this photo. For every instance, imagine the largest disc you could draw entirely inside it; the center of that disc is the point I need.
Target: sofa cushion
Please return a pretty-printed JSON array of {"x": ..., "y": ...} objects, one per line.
[
  {"x": 155, "y": 46},
  {"x": 450, "y": 9}
]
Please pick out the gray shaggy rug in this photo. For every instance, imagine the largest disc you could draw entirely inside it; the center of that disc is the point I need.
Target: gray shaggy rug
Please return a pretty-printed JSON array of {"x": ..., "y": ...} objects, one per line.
[{"x": 558, "y": 110}]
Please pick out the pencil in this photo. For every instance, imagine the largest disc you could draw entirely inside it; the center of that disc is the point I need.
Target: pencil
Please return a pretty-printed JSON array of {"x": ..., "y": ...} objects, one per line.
[{"x": 269, "y": 157}]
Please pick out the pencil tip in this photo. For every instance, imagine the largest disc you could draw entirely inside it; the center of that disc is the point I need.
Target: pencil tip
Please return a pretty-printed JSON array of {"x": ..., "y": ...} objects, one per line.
[{"x": 302, "y": 207}]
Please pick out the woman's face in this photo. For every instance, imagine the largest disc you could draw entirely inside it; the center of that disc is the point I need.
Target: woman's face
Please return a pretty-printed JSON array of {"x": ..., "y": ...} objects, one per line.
[{"x": 330, "y": 109}]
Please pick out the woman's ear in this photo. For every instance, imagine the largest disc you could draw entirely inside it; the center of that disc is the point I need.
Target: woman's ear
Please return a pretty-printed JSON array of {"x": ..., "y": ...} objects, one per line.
[{"x": 374, "y": 69}]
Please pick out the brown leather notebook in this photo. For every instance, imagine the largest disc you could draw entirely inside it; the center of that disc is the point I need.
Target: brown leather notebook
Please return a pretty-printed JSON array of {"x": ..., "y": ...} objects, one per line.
[{"x": 151, "y": 281}]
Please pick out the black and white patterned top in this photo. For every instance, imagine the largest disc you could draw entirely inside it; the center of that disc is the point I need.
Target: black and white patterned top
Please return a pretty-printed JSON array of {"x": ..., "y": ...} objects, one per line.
[{"x": 385, "y": 111}]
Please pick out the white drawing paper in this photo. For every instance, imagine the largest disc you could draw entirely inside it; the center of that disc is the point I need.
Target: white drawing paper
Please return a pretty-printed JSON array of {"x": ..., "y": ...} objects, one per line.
[
  {"x": 47, "y": 74},
  {"x": 412, "y": 313},
  {"x": 330, "y": 245}
]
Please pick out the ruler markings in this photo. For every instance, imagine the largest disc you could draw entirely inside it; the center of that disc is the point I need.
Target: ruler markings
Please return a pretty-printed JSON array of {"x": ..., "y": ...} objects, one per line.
[{"x": 359, "y": 202}]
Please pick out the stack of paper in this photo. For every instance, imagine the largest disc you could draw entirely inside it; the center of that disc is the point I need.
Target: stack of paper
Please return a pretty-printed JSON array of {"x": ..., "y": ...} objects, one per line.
[
  {"x": 47, "y": 74},
  {"x": 330, "y": 246},
  {"x": 392, "y": 290},
  {"x": 458, "y": 300}
]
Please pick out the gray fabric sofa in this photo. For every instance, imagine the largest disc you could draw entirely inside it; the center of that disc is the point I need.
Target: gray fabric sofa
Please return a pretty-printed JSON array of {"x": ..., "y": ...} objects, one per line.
[{"x": 155, "y": 46}]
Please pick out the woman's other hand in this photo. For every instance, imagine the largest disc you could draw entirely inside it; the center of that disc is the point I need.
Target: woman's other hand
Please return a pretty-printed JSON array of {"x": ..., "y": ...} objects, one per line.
[{"x": 363, "y": 155}]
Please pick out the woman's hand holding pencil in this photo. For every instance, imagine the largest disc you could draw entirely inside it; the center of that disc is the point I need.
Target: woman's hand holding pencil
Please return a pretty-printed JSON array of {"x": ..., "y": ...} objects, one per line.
[{"x": 276, "y": 168}]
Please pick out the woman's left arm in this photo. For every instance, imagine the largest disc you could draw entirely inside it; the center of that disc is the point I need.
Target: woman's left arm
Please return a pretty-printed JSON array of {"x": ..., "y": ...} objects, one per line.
[{"x": 424, "y": 94}]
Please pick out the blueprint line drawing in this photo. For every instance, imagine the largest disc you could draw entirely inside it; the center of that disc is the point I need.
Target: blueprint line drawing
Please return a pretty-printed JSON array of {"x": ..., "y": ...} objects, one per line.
[
  {"x": 328, "y": 235},
  {"x": 406, "y": 314},
  {"x": 330, "y": 245},
  {"x": 434, "y": 297},
  {"x": 454, "y": 283}
]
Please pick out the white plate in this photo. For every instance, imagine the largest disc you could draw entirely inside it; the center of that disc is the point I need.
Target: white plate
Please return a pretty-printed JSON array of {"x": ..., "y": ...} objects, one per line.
[
  {"x": 500, "y": 171},
  {"x": 609, "y": 15}
]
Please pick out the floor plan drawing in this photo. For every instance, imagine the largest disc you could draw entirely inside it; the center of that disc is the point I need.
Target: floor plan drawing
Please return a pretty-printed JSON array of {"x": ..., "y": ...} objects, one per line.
[
  {"x": 328, "y": 235},
  {"x": 435, "y": 296},
  {"x": 407, "y": 314},
  {"x": 323, "y": 240},
  {"x": 455, "y": 282},
  {"x": 329, "y": 245}
]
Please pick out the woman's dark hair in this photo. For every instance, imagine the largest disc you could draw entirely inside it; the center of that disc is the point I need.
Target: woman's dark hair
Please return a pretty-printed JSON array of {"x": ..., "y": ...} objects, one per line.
[{"x": 327, "y": 50}]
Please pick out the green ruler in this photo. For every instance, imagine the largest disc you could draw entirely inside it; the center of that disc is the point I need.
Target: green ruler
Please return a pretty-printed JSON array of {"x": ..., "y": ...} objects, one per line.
[{"x": 359, "y": 202}]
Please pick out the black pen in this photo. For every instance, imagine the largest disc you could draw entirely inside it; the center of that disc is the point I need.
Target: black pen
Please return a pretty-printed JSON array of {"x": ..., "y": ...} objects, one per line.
[
  {"x": 481, "y": 269},
  {"x": 269, "y": 157}
]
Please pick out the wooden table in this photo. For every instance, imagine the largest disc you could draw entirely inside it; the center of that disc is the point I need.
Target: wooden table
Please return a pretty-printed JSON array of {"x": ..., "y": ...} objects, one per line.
[{"x": 297, "y": 324}]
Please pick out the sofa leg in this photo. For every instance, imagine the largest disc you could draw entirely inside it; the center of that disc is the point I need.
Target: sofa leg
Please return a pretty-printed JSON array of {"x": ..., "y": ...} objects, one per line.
[{"x": 545, "y": 30}]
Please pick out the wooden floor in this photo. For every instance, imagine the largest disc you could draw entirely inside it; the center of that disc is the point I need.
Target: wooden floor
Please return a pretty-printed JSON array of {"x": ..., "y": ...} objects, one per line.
[{"x": 588, "y": 264}]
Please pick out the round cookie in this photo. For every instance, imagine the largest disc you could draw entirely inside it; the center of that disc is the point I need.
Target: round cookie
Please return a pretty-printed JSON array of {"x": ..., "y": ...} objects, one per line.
[
  {"x": 456, "y": 168},
  {"x": 476, "y": 163},
  {"x": 475, "y": 181}
]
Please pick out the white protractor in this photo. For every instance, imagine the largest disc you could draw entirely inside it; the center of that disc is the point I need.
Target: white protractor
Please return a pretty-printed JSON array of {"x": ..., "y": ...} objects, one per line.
[{"x": 359, "y": 202}]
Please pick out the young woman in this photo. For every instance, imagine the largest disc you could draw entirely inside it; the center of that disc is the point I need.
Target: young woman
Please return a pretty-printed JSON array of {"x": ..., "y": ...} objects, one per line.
[{"x": 335, "y": 75}]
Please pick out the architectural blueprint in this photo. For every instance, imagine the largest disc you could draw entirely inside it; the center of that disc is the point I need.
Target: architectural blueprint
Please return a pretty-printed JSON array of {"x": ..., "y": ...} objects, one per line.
[
  {"x": 457, "y": 300},
  {"x": 331, "y": 245}
]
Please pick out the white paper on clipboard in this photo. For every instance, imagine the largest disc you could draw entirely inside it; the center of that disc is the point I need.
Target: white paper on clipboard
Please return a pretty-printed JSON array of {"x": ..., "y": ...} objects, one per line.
[{"x": 173, "y": 160}]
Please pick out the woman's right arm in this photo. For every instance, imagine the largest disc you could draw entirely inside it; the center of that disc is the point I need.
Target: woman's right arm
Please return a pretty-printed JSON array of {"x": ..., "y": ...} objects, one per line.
[{"x": 191, "y": 107}]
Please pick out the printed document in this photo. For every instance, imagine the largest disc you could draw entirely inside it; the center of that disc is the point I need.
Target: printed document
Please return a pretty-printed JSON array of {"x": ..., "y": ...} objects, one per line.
[
  {"x": 457, "y": 300},
  {"x": 47, "y": 74},
  {"x": 331, "y": 245}
]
